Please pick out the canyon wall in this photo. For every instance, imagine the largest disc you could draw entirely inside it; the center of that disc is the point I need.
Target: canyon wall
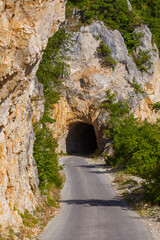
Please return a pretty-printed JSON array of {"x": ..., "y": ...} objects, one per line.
[
  {"x": 24, "y": 30},
  {"x": 85, "y": 89}
]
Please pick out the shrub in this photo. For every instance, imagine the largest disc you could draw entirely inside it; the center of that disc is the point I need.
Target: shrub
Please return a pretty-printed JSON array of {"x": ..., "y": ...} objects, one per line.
[
  {"x": 116, "y": 109},
  {"x": 136, "y": 145},
  {"x": 46, "y": 158},
  {"x": 156, "y": 107},
  {"x": 137, "y": 87},
  {"x": 143, "y": 60},
  {"x": 104, "y": 52},
  {"x": 137, "y": 38}
]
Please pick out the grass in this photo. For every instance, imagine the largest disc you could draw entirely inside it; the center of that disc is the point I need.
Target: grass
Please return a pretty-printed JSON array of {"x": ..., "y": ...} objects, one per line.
[
  {"x": 28, "y": 219},
  {"x": 46, "y": 210}
]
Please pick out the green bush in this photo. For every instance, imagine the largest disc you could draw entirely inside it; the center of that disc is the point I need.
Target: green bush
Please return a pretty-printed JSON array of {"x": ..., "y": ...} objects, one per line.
[
  {"x": 46, "y": 158},
  {"x": 143, "y": 60},
  {"x": 114, "y": 13},
  {"x": 149, "y": 11},
  {"x": 104, "y": 52},
  {"x": 116, "y": 110},
  {"x": 156, "y": 107},
  {"x": 137, "y": 87},
  {"x": 137, "y": 38},
  {"x": 136, "y": 145}
]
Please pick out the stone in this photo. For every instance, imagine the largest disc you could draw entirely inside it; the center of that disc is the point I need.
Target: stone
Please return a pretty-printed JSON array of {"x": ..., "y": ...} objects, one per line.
[
  {"x": 85, "y": 89},
  {"x": 25, "y": 27}
]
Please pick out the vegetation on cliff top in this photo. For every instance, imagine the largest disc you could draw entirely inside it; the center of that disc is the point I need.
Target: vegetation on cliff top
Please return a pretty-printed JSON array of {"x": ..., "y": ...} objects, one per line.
[
  {"x": 149, "y": 11},
  {"x": 115, "y": 14}
]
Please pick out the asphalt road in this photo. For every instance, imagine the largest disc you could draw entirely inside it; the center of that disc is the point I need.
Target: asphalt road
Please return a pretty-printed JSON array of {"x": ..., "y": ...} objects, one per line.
[{"x": 91, "y": 210}]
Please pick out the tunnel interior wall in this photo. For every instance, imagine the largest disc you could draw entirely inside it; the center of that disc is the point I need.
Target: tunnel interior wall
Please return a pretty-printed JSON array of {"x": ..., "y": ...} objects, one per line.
[{"x": 81, "y": 139}]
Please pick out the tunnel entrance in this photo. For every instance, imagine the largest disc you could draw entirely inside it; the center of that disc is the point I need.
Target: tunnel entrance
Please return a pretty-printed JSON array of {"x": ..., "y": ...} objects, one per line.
[{"x": 81, "y": 139}]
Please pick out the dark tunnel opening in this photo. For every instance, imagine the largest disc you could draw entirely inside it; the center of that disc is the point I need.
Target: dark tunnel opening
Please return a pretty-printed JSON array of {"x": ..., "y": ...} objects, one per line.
[{"x": 81, "y": 139}]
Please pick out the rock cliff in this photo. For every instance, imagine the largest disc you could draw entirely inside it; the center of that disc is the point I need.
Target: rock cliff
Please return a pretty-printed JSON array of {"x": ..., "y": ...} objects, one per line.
[
  {"x": 24, "y": 30},
  {"x": 85, "y": 90}
]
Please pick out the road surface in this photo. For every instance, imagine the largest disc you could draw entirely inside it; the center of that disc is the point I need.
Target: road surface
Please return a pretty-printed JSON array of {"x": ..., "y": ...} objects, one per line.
[{"x": 91, "y": 210}]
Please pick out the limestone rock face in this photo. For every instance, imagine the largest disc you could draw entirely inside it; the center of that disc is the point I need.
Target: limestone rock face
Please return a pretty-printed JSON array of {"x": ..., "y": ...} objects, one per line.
[
  {"x": 24, "y": 30},
  {"x": 84, "y": 91}
]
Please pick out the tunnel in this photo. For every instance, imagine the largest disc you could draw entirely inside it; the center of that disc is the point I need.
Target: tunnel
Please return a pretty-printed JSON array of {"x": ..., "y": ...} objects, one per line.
[{"x": 81, "y": 139}]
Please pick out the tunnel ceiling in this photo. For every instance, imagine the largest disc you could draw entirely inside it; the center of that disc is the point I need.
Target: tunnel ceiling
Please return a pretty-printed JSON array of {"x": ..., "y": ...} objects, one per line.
[{"x": 81, "y": 139}]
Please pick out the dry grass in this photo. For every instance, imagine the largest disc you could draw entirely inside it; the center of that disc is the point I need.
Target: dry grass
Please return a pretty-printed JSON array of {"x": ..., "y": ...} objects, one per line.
[{"x": 34, "y": 224}]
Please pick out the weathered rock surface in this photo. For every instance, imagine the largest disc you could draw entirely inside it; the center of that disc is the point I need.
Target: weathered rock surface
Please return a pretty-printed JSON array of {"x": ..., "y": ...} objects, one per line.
[
  {"x": 24, "y": 30},
  {"x": 84, "y": 91}
]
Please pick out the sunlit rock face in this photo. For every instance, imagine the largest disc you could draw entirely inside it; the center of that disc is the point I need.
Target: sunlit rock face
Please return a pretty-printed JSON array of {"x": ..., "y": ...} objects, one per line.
[
  {"x": 85, "y": 89},
  {"x": 24, "y": 30}
]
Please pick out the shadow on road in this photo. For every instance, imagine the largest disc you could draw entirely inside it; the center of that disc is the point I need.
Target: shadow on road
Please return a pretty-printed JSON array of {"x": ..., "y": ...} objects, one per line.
[
  {"x": 97, "y": 203},
  {"x": 94, "y": 166}
]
